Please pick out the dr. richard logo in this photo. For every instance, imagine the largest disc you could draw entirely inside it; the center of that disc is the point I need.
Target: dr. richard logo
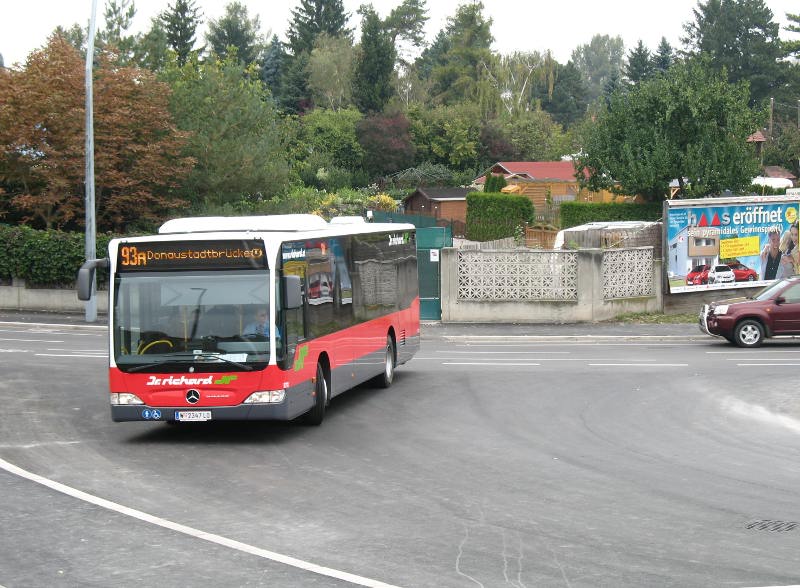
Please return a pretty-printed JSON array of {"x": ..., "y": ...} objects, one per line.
[{"x": 179, "y": 381}]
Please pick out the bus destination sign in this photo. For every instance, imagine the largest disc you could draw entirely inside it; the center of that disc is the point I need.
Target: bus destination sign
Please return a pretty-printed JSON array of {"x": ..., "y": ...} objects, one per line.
[{"x": 182, "y": 255}]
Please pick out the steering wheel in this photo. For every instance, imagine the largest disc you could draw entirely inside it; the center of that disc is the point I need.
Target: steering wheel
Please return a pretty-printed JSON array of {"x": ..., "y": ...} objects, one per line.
[{"x": 147, "y": 348}]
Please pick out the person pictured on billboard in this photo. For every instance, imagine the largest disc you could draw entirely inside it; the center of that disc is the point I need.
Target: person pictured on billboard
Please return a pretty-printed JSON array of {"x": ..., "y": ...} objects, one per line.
[
  {"x": 774, "y": 263},
  {"x": 789, "y": 246}
]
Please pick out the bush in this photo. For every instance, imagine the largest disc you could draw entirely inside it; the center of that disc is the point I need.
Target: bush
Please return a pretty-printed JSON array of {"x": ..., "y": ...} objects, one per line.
[
  {"x": 496, "y": 216},
  {"x": 574, "y": 214},
  {"x": 45, "y": 258},
  {"x": 494, "y": 183}
]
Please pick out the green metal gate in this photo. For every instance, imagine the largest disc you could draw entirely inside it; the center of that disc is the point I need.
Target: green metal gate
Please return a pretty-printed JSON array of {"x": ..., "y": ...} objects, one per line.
[{"x": 430, "y": 241}]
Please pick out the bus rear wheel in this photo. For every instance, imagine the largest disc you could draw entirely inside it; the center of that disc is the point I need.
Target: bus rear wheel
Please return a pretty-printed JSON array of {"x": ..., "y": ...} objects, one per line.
[
  {"x": 316, "y": 415},
  {"x": 385, "y": 379}
]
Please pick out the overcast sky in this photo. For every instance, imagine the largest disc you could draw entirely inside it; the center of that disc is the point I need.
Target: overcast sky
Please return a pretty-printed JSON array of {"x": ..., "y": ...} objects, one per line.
[{"x": 559, "y": 26}]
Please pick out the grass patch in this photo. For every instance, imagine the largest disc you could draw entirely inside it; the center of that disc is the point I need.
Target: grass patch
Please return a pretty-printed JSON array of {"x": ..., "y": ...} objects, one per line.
[{"x": 655, "y": 318}]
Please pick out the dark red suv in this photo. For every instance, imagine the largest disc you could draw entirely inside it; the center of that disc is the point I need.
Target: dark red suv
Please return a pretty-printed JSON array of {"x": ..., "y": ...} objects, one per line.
[{"x": 774, "y": 310}]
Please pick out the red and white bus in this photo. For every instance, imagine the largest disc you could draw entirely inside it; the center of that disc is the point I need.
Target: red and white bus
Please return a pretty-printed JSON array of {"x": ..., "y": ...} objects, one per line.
[{"x": 186, "y": 340}]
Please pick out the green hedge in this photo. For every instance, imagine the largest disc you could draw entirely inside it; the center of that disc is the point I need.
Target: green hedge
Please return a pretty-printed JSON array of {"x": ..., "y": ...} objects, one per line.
[
  {"x": 493, "y": 216},
  {"x": 580, "y": 213},
  {"x": 45, "y": 258}
]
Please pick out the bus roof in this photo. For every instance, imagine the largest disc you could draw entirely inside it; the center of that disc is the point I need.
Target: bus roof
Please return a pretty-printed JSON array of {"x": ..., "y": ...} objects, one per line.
[
  {"x": 279, "y": 223},
  {"x": 216, "y": 224}
]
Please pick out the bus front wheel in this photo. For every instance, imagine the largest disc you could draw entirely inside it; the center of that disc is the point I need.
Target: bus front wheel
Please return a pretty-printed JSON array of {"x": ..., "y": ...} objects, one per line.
[{"x": 317, "y": 413}]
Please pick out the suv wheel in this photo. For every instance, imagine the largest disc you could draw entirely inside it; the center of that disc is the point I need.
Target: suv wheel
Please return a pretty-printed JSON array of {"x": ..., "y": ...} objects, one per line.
[{"x": 749, "y": 333}]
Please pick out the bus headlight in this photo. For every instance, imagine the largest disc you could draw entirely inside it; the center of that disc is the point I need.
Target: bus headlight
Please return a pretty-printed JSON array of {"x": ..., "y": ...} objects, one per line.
[
  {"x": 119, "y": 398},
  {"x": 266, "y": 397}
]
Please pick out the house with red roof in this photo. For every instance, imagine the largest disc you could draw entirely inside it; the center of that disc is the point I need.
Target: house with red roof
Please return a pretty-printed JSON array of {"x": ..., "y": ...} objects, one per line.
[{"x": 545, "y": 182}]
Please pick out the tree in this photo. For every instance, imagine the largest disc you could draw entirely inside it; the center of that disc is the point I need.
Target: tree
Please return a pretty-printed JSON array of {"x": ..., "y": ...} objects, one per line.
[
  {"x": 406, "y": 24},
  {"x": 137, "y": 160},
  {"x": 236, "y": 136},
  {"x": 569, "y": 100},
  {"x": 448, "y": 135},
  {"x": 273, "y": 65},
  {"x": 598, "y": 61},
  {"x": 119, "y": 17},
  {"x": 515, "y": 78},
  {"x": 295, "y": 96},
  {"x": 664, "y": 56},
  {"x": 235, "y": 29},
  {"x": 468, "y": 44},
  {"x": 640, "y": 64},
  {"x": 314, "y": 17},
  {"x": 386, "y": 141},
  {"x": 689, "y": 124},
  {"x": 75, "y": 36},
  {"x": 784, "y": 148},
  {"x": 334, "y": 135},
  {"x": 180, "y": 23},
  {"x": 330, "y": 71},
  {"x": 739, "y": 37},
  {"x": 151, "y": 49},
  {"x": 535, "y": 136},
  {"x": 374, "y": 67}
]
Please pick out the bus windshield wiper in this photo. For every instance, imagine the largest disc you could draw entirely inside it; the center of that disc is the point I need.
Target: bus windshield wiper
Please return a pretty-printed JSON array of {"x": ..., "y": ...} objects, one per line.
[{"x": 184, "y": 356}]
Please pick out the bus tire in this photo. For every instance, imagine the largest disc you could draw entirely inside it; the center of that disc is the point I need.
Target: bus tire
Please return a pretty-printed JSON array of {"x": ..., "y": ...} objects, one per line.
[
  {"x": 385, "y": 379},
  {"x": 316, "y": 415}
]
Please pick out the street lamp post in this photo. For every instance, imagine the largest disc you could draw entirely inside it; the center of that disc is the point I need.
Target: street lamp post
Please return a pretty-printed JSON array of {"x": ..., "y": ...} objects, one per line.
[{"x": 91, "y": 232}]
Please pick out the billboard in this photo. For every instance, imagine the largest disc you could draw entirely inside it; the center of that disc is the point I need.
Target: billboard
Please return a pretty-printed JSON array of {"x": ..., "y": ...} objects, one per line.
[{"x": 754, "y": 236}]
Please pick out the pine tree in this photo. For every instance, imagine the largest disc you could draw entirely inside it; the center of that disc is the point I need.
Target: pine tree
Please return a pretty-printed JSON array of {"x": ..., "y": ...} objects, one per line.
[
  {"x": 180, "y": 24},
  {"x": 118, "y": 17},
  {"x": 640, "y": 64},
  {"x": 235, "y": 29},
  {"x": 740, "y": 37},
  {"x": 273, "y": 65},
  {"x": 314, "y": 17},
  {"x": 372, "y": 79},
  {"x": 664, "y": 56}
]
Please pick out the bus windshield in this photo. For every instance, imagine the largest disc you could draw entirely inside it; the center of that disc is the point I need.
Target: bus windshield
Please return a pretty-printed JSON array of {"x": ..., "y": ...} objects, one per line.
[{"x": 164, "y": 321}]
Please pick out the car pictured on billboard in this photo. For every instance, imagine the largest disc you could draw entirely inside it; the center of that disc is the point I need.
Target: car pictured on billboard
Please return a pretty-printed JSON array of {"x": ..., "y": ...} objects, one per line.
[
  {"x": 698, "y": 275},
  {"x": 742, "y": 273},
  {"x": 721, "y": 274},
  {"x": 746, "y": 322}
]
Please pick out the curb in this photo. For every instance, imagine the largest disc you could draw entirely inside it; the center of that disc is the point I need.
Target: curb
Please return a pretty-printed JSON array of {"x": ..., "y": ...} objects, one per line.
[{"x": 53, "y": 326}]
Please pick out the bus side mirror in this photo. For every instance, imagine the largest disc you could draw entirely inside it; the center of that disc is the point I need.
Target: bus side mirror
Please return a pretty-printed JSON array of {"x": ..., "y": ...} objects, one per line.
[
  {"x": 292, "y": 292},
  {"x": 86, "y": 277}
]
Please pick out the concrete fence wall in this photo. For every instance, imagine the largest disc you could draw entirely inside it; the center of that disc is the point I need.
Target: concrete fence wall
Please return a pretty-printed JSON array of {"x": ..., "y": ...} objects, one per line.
[
  {"x": 19, "y": 297},
  {"x": 581, "y": 286}
]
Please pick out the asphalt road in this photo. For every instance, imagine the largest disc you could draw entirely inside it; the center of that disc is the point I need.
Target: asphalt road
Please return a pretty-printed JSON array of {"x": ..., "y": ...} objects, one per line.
[{"x": 520, "y": 456}]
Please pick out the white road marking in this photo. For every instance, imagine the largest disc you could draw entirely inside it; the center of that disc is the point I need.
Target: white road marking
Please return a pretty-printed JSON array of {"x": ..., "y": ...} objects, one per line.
[
  {"x": 504, "y": 360},
  {"x": 70, "y": 355},
  {"x": 767, "y": 364},
  {"x": 191, "y": 531},
  {"x": 486, "y": 364},
  {"x": 30, "y": 340},
  {"x": 639, "y": 364}
]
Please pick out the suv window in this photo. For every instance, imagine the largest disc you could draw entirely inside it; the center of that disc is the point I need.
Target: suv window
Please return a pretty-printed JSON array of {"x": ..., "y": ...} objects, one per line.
[
  {"x": 792, "y": 294},
  {"x": 721, "y": 268}
]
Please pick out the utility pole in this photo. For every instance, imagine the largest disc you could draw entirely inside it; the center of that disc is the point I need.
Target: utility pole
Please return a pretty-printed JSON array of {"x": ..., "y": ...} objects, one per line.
[
  {"x": 771, "y": 112},
  {"x": 91, "y": 231}
]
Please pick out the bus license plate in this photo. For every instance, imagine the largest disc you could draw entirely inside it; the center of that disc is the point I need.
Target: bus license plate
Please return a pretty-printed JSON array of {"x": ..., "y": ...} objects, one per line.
[{"x": 192, "y": 415}]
